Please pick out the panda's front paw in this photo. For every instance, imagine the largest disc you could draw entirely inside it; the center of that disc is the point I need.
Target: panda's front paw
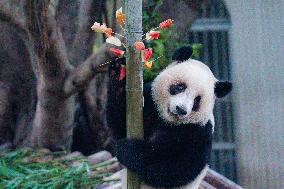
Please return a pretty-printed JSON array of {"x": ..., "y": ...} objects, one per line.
[
  {"x": 131, "y": 153},
  {"x": 117, "y": 63},
  {"x": 110, "y": 147},
  {"x": 117, "y": 72}
]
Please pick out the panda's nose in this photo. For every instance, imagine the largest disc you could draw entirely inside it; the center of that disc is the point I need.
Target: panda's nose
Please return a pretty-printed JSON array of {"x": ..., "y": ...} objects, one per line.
[{"x": 181, "y": 110}]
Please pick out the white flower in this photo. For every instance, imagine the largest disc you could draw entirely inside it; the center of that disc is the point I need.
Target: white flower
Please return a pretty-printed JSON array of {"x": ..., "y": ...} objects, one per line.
[
  {"x": 119, "y": 11},
  {"x": 96, "y": 27},
  {"x": 114, "y": 41}
]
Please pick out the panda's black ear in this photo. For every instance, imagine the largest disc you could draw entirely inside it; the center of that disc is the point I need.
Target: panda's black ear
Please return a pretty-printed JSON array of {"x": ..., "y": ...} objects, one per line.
[
  {"x": 222, "y": 88},
  {"x": 182, "y": 53}
]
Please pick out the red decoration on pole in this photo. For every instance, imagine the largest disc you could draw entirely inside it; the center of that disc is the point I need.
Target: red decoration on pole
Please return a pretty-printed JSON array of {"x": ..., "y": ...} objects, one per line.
[
  {"x": 166, "y": 23},
  {"x": 116, "y": 51},
  {"x": 147, "y": 54},
  {"x": 122, "y": 73},
  {"x": 138, "y": 45}
]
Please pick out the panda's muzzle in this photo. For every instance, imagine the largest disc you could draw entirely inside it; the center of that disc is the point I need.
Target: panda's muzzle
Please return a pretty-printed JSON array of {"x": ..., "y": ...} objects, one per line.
[{"x": 181, "y": 110}]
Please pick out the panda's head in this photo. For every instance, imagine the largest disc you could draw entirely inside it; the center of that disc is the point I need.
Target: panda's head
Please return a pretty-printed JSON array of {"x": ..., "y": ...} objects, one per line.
[{"x": 185, "y": 91}]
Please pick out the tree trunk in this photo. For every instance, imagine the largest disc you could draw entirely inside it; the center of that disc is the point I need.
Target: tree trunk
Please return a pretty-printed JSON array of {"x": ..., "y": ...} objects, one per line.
[
  {"x": 5, "y": 111},
  {"x": 48, "y": 119}
]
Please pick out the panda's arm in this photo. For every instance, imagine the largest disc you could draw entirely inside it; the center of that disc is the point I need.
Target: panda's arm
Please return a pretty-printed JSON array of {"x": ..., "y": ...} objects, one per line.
[
  {"x": 132, "y": 153},
  {"x": 116, "y": 103}
]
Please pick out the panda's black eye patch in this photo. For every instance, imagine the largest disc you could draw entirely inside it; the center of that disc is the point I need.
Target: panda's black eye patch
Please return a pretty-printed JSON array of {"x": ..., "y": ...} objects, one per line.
[
  {"x": 196, "y": 103},
  {"x": 177, "y": 88}
]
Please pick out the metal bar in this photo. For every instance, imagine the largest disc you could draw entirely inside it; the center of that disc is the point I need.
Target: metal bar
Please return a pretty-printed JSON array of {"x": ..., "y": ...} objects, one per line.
[
  {"x": 215, "y": 54},
  {"x": 212, "y": 24},
  {"x": 223, "y": 146},
  {"x": 205, "y": 48},
  {"x": 231, "y": 165},
  {"x": 213, "y": 160}
]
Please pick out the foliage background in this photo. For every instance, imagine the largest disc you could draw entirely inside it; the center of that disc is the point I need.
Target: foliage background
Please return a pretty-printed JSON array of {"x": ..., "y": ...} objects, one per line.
[{"x": 167, "y": 42}]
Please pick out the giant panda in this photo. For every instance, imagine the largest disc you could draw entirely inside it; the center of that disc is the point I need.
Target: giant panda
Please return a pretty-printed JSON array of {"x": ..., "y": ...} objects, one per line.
[{"x": 178, "y": 123}]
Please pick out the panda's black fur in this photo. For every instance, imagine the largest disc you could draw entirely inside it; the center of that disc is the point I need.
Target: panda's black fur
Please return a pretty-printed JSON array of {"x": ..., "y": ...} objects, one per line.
[
  {"x": 182, "y": 54},
  {"x": 116, "y": 104},
  {"x": 169, "y": 155},
  {"x": 172, "y": 157}
]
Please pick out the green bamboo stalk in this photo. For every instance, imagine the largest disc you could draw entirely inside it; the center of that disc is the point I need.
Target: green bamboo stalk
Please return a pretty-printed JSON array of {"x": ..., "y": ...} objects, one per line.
[{"x": 134, "y": 79}]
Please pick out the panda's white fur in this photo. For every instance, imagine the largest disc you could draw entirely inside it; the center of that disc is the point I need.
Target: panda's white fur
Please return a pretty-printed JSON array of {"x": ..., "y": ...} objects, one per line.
[{"x": 199, "y": 81}]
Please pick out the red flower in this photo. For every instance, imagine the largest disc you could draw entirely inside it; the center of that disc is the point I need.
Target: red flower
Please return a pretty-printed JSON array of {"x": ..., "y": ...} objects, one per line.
[
  {"x": 117, "y": 52},
  {"x": 122, "y": 72},
  {"x": 139, "y": 45},
  {"x": 108, "y": 32},
  {"x": 166, "y": 23},
  {"x": 147, "y": 54},
  {"x": 153, "y": 34}
]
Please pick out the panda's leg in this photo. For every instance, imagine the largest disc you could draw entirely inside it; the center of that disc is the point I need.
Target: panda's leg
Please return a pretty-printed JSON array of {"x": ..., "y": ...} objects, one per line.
[
  {"x": 193, "y": 185},
  {"x": 197, "y": 181}
]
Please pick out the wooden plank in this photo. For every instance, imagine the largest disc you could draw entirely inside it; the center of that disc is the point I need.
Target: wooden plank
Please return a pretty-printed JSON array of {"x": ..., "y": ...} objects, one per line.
[
  {"x": 219, "y": 181},
  {"x": 205, "y": 185}
]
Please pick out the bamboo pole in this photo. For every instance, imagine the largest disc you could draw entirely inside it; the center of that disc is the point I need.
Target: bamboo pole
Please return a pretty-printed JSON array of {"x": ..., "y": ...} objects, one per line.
[{"x": 134, "y": 79}]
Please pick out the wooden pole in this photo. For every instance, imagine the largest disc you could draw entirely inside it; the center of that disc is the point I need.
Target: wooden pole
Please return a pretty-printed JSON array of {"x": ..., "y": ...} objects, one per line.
[{"x": 134, "y": 79}]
